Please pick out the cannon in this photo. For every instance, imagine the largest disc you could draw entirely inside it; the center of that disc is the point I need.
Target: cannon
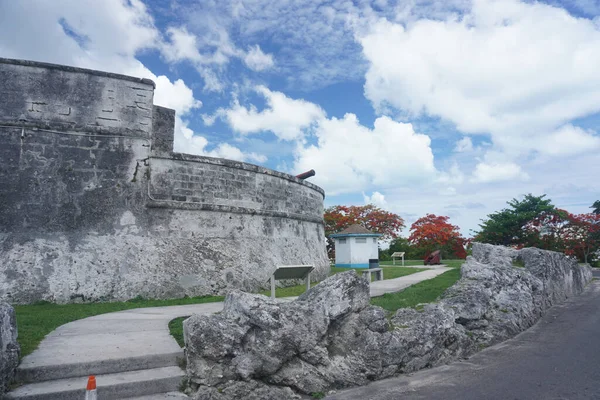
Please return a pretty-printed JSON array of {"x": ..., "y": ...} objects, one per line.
[
  {"x": 306, "y": 174},
  {"x": 434, "y": 258}
]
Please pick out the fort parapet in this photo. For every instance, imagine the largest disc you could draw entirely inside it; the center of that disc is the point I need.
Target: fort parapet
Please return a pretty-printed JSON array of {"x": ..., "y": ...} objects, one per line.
[{"x": 94, "y": 204}]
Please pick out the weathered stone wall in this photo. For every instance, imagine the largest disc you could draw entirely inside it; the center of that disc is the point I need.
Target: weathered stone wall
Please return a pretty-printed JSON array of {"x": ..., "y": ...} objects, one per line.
[
  {"x": 9, "y": 347},
  {"x": 331, "y": 338},
  {"x": 95, "y": 205}
]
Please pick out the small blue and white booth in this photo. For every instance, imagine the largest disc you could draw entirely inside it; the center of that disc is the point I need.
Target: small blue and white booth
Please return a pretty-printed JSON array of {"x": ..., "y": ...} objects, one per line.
[{"x": 355, "y": 246}]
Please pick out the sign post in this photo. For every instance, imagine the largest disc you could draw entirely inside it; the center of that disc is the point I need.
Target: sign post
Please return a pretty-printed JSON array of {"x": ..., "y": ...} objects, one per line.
[
  {"x": 398, "y": 254},
  {"x": 291, "y": 272}
]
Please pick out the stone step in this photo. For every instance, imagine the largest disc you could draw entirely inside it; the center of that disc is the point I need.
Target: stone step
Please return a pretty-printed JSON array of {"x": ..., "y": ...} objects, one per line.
[
  {"x": 39, "y": 373},
  {"x": 117, "y": 386}
]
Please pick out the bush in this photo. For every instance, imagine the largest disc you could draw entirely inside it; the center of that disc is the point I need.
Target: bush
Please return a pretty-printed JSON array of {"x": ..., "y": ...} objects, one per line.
[{"x": 384, "y": 256}]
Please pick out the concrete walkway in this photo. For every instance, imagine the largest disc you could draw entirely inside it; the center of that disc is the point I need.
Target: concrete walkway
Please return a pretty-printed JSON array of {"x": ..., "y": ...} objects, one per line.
[
  {"x": 131, "y": 352},
  {"x": 379, "y": 288}
]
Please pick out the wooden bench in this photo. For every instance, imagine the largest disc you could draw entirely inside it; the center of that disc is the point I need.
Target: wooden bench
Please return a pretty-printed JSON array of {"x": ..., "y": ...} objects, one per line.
[
  {"x": 291, "y": 272},
  {"x": 366, "y": 273}
]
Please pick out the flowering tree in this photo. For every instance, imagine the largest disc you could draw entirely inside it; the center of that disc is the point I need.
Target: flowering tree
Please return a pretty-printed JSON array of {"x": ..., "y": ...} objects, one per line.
[
  {"x": 338, "y": 218},
  {"x": 433, "y": 232},
  {"x": 546, "y": 230},
  {"x": 582, "y": 235}
]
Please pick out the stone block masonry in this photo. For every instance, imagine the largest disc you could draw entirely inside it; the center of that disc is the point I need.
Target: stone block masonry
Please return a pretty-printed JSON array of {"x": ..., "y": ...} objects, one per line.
[{"x": 94, "y": 204}]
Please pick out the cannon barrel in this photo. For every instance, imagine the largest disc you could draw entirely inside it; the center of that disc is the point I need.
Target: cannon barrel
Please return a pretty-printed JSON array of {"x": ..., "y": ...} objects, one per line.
[{"x": 306, "y": 174}]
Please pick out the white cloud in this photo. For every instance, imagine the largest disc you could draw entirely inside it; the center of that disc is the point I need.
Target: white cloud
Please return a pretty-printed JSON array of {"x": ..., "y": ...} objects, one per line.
[
  {"x": 283, "y": 116},
  {"x": 454, "y": 176},
  {"x": 313, "y": 39},
  {"x": 187, "y": 142},
  {"x": 210, "y": 54},
  {"x": 256, "y": 60},
  {"x": 448, "y": 191},
  {"x": 497, "y": 172},
  {"x": 181, "y": 46},
  {"x": 569, "y": 140},
  {"x": 376, "y": 199},
  {"x": 349, "y": 157},
  {"x": 175, "y": 95},
  {"x": 464, "y": 145},
  {"x": 518, "y": 70}
]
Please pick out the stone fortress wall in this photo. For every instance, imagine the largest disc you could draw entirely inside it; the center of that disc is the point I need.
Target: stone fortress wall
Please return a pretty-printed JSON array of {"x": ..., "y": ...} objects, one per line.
[{"x": 94, "y": 204}]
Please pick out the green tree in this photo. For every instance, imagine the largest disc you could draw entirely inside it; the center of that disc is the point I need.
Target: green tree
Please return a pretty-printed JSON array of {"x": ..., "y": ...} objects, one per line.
[
  {"x": 401, "y": 244},
  {"x": 508, "y": 227},
  {"x": 596, "y": 207}
]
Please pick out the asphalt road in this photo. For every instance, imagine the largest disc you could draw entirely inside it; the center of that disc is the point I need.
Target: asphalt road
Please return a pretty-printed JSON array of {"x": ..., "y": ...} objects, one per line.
[{"x": 558, "y": 358}]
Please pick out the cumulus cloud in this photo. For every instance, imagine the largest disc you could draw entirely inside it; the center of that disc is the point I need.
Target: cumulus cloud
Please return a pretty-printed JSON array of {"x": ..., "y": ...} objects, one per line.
[
  {"x": 188, "y": 142},
  {"x": 181, "y": 45},
  {"x": 349, "y": 157},
  {"x": 256, "y": 60},
  {"x": 376, "y": 199},
  {"x": 453, "y": 176},
  {"x": 285, "y": 117},
  {"x": 513, "y": 69},
  {"x": 498, "y": 172},
  {"x": 569, "y": 140}
]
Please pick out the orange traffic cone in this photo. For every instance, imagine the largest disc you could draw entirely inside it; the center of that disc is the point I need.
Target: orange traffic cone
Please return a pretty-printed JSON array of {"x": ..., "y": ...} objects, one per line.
[{"x": 90, "y": 392}]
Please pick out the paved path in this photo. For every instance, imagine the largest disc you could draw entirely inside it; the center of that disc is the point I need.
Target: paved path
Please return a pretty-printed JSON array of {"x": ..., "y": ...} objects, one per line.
[
  {"x": 132, "y": 340},
  {"x": 379, "y": 288},
  {"x": 558, "y": 358}
]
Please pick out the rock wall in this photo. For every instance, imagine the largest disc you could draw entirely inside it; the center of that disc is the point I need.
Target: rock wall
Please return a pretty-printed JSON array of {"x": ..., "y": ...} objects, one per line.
[
  {"x": 94, "y": 204},
  {"x": 9, "y": 348},
  {"x": 331, "y": 337}
]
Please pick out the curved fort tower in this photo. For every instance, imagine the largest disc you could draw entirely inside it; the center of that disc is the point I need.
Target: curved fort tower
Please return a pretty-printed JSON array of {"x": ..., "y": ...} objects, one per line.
[{"x": 94, "y": 204}]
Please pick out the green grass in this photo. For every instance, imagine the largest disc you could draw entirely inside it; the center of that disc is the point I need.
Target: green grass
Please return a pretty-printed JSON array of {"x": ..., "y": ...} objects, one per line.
[
  {"x": 399, "y": 263},
  {"x": 176, "y": 329},
  {"x": 422, "y": 292},
  {"x": 449, "y": 263},
  {"x": 35, "y": 321},
  {"x": 388, "y": 273}
]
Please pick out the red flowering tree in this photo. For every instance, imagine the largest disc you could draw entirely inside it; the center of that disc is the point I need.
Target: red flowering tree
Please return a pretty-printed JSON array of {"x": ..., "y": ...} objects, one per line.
[
  {"x": 547, "y": 230},
  {"x": 433, "y": 232},
  {"x": 375, "y": 219},
  {"x": 582, "y": 235}
]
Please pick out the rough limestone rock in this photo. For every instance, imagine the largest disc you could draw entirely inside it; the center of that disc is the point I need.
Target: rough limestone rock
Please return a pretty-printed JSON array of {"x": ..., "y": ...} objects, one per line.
[
  {"x": 331, "y": 337},
  {"x": 9, "y": 348}
]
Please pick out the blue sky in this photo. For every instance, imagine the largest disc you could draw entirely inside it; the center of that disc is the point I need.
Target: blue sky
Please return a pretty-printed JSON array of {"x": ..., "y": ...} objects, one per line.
[{"x": 449, "y": 107}]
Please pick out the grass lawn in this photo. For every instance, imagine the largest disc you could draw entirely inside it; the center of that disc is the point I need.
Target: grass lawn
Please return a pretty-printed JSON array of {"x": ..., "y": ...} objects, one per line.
[
  {"x": 388, "y": 273},
  {"x": 449, "y": 263},
  {"x": 422, "y": 292},
  {"x": 35, "y": 321},
  {"x": 176, "y": 328}
]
